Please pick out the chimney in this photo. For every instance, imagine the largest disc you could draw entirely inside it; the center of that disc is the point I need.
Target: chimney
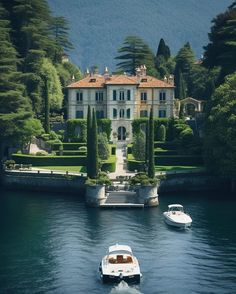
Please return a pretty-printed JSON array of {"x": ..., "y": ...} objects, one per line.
[
  {"x": 106, "y": 74},
  {"x": 138, "y": 71},
  {"x": 143, "y": 70},
  {"x": 165, "y": 79},
  {"x": 170, "y": 80},
  {"x": 87, "y": 73},
  {"x": 73, "y": 78}
]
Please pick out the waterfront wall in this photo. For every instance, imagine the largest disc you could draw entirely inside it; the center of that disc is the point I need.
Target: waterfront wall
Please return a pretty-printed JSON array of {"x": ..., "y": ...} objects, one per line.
[
  {"x": 191, "y": 182},
  {"x": 45, "y": 182},
  {"x": 76, "y": 184}
]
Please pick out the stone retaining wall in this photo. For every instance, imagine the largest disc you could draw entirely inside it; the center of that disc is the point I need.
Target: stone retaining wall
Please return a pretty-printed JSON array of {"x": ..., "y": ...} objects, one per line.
[{"x": 45, "y": 182}]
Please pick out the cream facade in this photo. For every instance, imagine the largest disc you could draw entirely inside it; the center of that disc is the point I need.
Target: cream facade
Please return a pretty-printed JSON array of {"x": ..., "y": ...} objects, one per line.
[{"x": 121, "y": 98}]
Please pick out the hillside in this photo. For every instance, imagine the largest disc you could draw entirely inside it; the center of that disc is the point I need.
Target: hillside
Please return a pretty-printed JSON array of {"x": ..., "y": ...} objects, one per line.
[{"x": 98, "y": 27}]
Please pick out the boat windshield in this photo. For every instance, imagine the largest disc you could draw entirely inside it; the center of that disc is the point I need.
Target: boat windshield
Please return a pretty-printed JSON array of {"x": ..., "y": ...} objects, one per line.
[
  {"x": 120, "y": 252},
  {"x": 176, "y": 208}
]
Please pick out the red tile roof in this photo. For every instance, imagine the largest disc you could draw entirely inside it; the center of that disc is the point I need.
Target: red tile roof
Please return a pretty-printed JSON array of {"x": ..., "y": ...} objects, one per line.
[{"x": 99, "y": 81}]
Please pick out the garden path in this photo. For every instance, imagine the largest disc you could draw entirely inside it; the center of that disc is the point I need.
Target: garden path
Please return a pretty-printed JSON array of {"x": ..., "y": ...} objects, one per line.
[{"x": 121, "y": 166}]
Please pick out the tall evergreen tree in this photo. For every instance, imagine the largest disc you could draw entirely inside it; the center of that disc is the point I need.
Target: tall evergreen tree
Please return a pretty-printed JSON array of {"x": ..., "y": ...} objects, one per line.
[
  {"x": 133, "y": 53},
  {"x": 151, "y": 165},
  {"x": 184, "y": 62},
  {"x": 89, "y": 142},
  {"x": 14, "y": 106},
  {"x": 46, "y": 104},
  {"x": 30, "y": 20},
  {"x": 180, "y": 86},
  {"x": 94, "y": 148},
  {"x": 163, "y": 50},
  {"x": 221, "y": 51},
  {"x": 60, "y": 32}
]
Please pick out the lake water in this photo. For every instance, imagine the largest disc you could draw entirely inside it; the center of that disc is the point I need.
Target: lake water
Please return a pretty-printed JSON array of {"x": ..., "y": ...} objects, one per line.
[{"x": 54, "y": 243}]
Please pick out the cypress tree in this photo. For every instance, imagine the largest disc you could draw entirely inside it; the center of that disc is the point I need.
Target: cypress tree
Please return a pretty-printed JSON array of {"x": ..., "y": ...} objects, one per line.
[
  {"x": 89, "y": 127},
  {"x": 46, "y": 105},
  {"x": 163, "y": 50},
  {"x": 180, "y": 90},
  {"x": 151, "y": 167},
  {"x": 94, "y": 148}
]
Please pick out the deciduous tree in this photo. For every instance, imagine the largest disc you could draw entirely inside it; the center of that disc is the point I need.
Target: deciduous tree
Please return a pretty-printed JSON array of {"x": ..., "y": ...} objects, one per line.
[{"x": 220, "y": 138}]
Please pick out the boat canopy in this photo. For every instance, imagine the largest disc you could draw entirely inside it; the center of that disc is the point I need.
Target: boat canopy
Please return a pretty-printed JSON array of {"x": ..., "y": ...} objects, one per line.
[
  {"x": 175, "y": 205},
  {"x": 120, "y": 249}
]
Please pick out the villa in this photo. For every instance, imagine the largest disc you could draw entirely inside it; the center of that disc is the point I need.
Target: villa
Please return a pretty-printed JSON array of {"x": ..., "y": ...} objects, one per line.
[{"x": 122, "y": 98}]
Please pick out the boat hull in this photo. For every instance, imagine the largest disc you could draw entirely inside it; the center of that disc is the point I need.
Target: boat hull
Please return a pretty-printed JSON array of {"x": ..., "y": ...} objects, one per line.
[
  {"x": 174, "y": 223},
  {"x": 134, "y": 279}
]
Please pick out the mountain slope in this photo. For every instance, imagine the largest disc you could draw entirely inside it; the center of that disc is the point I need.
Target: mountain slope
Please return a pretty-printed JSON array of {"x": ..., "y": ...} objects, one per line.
[{"x": 98, "y": 27}]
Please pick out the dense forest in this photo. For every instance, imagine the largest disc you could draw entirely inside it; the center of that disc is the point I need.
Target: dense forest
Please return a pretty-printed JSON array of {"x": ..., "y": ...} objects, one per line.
[{"x": 34, "y": 75}]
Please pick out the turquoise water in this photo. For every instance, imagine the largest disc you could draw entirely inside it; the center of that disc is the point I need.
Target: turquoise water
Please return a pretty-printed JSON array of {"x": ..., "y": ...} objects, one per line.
[{"x": 52, "y": 243}]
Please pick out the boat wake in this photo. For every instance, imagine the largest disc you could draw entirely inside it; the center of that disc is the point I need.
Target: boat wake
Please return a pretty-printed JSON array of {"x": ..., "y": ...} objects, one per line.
[{"x": 123, "y": 288}]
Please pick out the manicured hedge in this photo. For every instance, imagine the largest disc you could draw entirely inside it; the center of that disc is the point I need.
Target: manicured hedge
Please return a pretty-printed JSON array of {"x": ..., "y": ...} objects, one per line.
[
  {"x": 49, "y": 160},
  {"x": 133, "y": 164},
  {"x": 68, "y": 146},
  {"x": 160, "y": 152},
  {"x": 109, "y": 166},
  {"x": 72, "y": 153},
  {"x": 178, "y": 160},
  {"x": 165, "y": 145}
]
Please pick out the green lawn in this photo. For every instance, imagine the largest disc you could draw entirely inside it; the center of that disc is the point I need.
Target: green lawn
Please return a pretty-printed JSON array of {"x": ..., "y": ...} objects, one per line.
[
  {"x": 79, "y": 169},
  {"x": 167, "y": 168}
]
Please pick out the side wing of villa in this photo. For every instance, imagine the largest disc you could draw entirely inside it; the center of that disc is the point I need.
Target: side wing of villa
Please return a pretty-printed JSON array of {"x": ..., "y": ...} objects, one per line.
[{"x": 121, "y": 98}]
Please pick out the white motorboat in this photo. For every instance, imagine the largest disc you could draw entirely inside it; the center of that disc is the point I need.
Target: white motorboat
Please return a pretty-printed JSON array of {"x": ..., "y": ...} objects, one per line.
[
  {"x": 175, "y": 216},
  {"x": 120, "y": 265}
]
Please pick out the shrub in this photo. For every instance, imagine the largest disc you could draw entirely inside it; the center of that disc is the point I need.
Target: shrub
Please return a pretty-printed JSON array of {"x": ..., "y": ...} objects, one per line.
[
  {"x": 68, "y": 146},
  {"x": 143, "y": 179},
  {"x": 83, "y": 148},
  {"x": 135, "y": 164},
  {"x": 41, "y": 153},
  {"x": 9, "y": 163},
  {"x": 102, "y": 179},
  {"x": 109, "y": 165},
  {"x": 161, "y": 133},
  {"x": 186, "y": 136}
]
